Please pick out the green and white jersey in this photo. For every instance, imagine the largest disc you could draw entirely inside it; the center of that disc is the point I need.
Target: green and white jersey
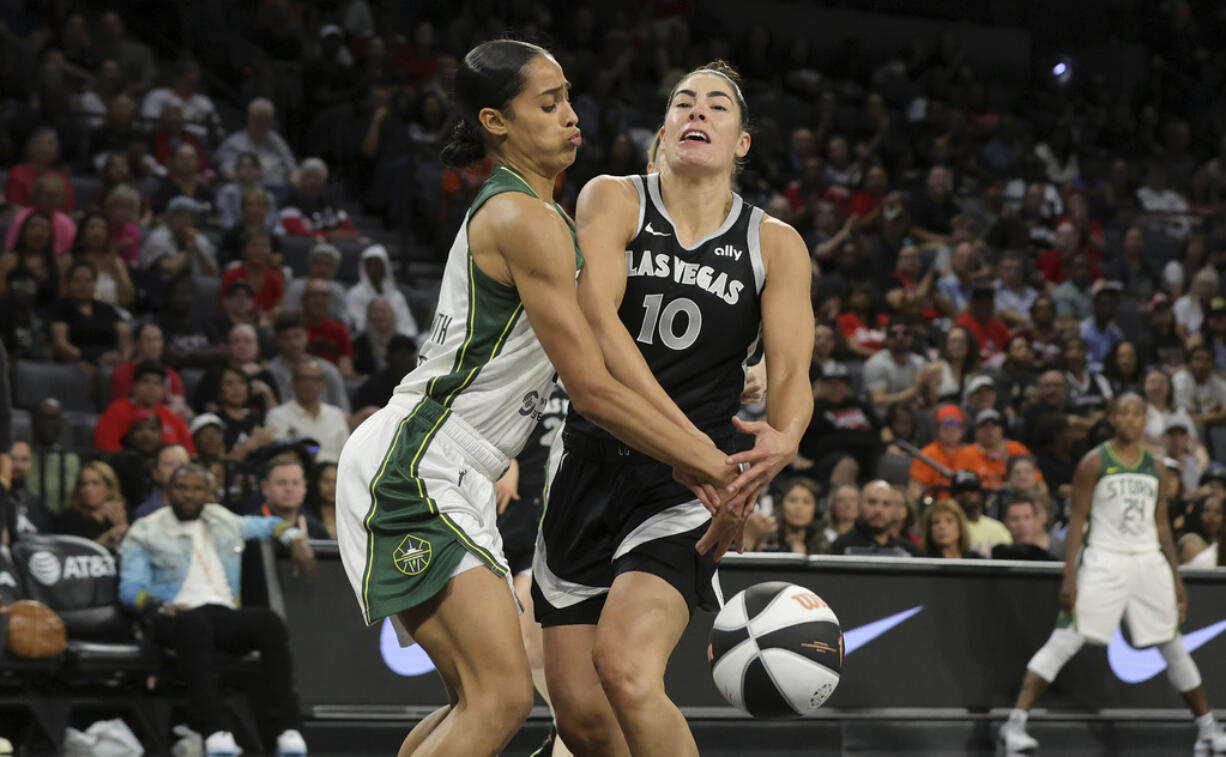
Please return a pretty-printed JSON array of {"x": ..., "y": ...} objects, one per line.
[
  {"x": 1125, "y": 498},
  {"x": 482, "y": 359}
]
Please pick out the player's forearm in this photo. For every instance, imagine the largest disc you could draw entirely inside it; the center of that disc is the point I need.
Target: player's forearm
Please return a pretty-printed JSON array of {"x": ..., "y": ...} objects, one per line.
[
  {"x": 627, "y": 365},
  {"x": 615, "y": 408},
  {"x": 1167, "y": 542},
  {"x": 1072, "y": 545},
  {"x": 789, "y": 403}
]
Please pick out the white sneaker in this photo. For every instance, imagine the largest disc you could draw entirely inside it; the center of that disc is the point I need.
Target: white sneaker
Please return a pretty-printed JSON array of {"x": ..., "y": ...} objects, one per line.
[
  {"x": 221, "y": 744},
  {"x": 290, "y": 743},
  {"x": 1015, "y": 738},
  {"x": 1213, "y": 740}
]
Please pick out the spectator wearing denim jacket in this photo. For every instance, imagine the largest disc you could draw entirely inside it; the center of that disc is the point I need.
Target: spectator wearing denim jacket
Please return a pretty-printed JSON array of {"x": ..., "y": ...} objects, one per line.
[{"x": 181, "y": 567}]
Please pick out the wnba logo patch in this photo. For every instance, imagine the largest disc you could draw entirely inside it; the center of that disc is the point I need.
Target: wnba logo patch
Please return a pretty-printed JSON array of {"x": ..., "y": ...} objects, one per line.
[{"x": 412, "y": 556}]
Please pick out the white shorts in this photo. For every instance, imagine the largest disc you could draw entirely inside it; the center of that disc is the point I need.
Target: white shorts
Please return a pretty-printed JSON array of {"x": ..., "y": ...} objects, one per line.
[
  {"x": 415, "y": 506},
  {"x": 1139, "y": 588}
]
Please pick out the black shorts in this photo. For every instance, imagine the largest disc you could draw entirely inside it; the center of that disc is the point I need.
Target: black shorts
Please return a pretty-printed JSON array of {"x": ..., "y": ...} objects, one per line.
[
  {"x": 610, "y": 510},
  {"x": 517, "y": 525}
]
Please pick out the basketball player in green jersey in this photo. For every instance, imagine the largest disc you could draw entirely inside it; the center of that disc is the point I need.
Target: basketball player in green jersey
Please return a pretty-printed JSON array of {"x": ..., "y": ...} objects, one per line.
[
  {"x": 416, "y": 512},
  {"x": 1127, "y": 570}
]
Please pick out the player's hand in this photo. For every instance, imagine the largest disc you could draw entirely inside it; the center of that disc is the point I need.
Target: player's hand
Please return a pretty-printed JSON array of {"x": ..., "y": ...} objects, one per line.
[
  {"x": 727, "y": 528},
  {"x": 1068, "y": 593},
  {"x": 1181, "y": 599},
  {"x": 772, "y": 451},
  {"x": 507, "y": 487},
  {"x": 706, "y": 493},
  {"x": 758, "y": 526}
]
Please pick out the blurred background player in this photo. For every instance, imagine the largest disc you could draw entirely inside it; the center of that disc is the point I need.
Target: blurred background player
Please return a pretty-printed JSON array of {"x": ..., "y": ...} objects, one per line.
[{"x": 1128, "y": 570}]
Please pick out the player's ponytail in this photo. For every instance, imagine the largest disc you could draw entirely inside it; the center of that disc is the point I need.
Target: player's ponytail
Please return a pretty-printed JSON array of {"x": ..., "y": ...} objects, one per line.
[
  {"x": 490, "y": 76},
  {"x": 464, "y": 146}
]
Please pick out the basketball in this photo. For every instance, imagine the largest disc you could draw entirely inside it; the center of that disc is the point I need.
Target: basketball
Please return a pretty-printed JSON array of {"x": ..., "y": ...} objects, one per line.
[{"x": 776, "y": 651}]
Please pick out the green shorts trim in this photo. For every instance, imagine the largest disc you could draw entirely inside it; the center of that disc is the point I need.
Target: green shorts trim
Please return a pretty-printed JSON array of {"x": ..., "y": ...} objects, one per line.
[{"x": 413, "y": 547}]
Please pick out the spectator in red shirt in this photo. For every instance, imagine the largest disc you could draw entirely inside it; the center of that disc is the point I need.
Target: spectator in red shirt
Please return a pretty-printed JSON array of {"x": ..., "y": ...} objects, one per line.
[
  {"x": 326, "y": 338},
  {"x": 42, "y": 151},
  {"x": 862, "y": 325},
  {"x": 1052, "y": 262},
  {"x": 265, "y": 281},
  {"x": 149, "y": 346},
  {"x": 308, "y": 212},
  {"x": 980, "y": 318},
  {"x": 916, "y": 285},
  {"x": 148, "y": 386},
  {"x": 866, "y": 204},
  {"x": 170, "y": 134}
]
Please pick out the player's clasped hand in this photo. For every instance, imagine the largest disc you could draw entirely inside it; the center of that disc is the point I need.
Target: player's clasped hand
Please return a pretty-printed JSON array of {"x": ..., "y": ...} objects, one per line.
[{"x": 772, "y": 451}]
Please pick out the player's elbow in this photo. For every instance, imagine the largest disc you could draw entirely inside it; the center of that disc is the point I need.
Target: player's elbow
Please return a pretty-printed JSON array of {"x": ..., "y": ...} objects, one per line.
[{"x": 590, "y": 397}]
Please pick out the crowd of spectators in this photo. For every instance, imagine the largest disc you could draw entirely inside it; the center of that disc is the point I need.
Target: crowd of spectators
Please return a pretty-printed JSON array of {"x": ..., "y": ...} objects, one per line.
[
  {"x": 222, "y": 247},
  {"x": 992, "y": 265}
]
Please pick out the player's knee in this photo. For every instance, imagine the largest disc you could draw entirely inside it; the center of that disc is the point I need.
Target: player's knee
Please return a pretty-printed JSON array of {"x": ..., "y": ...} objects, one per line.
[
  {"x": 1052, "y": 656},
  {"x": 503, "y": 703},
  {"x": 622, "y": 676},
  {"x": 584, "y": 727},
  {"x": 1181, "y": 669}
]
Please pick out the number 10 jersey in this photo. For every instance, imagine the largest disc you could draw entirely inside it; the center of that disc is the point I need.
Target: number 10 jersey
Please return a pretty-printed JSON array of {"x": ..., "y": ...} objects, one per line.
[{"x": 694, "y": 312}]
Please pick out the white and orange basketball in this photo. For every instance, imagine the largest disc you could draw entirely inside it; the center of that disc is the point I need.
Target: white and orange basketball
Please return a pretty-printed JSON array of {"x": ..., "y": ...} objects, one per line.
[{"x": 776, "y": 651}]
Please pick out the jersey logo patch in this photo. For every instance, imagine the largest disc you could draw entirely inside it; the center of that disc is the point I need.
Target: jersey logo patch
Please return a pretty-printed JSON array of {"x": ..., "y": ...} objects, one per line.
[
  {"x": 412, "y": 556},
  {"x": 655, "y": 233},
  {"x": 1112, "y": 469}
]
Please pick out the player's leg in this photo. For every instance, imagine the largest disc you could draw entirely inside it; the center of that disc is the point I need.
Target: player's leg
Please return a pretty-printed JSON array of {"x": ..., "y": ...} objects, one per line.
[
  {"x": 1040, "y": 672},
  {"x": 534, "y": 646},
  {"x": 642, "y": 622},
  {"x": 1102, "y": 595},
  {"x": 586, "y": 721},
  {"x": 427, "y": 724},
  {"x": 470, "y": 631},
  {"x": 1153, "y": 618}
]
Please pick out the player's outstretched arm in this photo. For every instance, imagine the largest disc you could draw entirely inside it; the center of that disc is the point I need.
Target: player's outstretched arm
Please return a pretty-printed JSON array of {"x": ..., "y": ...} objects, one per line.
[
  {"x": 537, "y": 250},
  {"x": 787, "y": 338},
  {"x": 1084, "y": 480},
  {"x": 606, "y": 217},
  {"x": 1167, "y": 541},
  {"x": 787, "y": 333}
]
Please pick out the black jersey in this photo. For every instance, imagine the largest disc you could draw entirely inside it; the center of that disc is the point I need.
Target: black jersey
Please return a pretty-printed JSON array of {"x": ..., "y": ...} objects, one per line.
[{"x": 694, "y": 312}]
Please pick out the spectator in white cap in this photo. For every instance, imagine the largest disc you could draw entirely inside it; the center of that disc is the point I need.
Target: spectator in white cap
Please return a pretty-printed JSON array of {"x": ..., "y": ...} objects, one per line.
[
  {"x": 176, "y": 245},
  {"x": 322, "y": 263},
  {"x": 980, "y": 395},
  {"x": 276, "y": 158},
  {"x": 377, "y": 280},
  {"x": 1177, "y": 444},
  {"x": 209, "y": 436}
]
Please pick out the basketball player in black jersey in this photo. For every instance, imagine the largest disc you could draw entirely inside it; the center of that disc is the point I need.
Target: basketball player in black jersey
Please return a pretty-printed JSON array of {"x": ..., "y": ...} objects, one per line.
[{"x": 682, "y": 280}]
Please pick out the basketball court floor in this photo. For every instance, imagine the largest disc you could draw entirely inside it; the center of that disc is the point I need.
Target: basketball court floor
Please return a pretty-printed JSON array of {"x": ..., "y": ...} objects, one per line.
[{"x": 831, "y": 734}]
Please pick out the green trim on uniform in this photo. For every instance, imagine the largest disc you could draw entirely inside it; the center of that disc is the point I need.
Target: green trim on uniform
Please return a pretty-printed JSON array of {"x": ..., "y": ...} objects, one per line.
[
  {"x": 1144, "y": 465},
  {"x": 412, "y": 546}
]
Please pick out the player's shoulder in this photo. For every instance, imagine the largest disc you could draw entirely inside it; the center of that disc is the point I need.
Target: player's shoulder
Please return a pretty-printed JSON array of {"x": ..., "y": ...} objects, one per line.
[
  {"x": 1092, "y": 460},
  {"x": 607, "y": 193},
  {"x": 514, "y": 216},
  {"x": 778, "y": 234}
]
